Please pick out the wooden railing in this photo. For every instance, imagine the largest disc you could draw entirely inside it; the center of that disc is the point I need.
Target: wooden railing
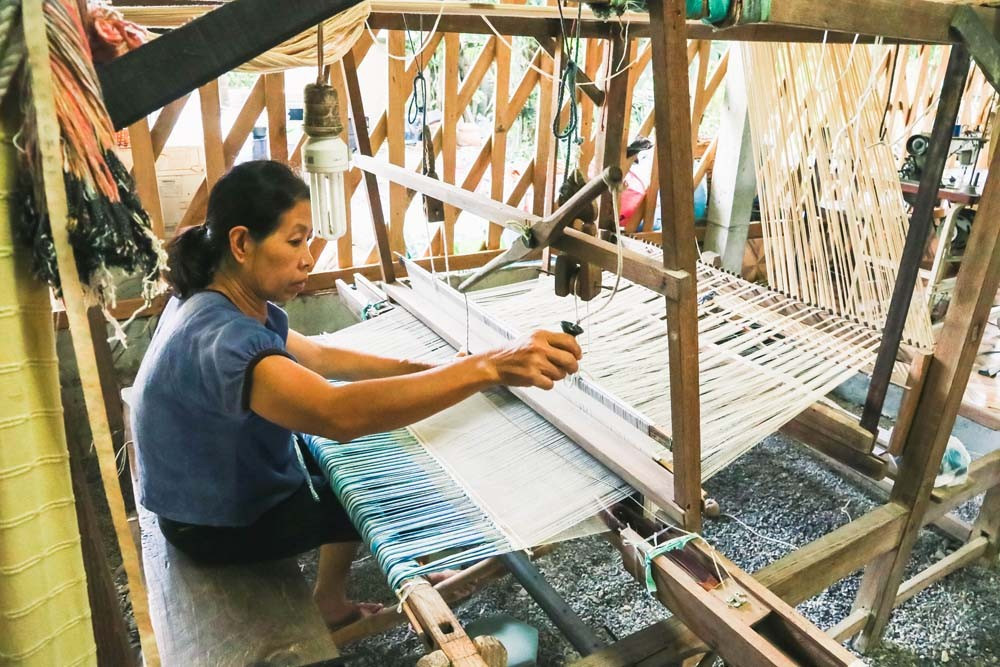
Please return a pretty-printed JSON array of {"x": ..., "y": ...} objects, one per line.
[
  {"x": 512, "y": 91},
  {"x": 605, "y": 103}
]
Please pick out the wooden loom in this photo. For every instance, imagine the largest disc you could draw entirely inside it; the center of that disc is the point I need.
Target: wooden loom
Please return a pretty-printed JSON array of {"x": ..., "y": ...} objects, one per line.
[{"x": 887, "y": 532}]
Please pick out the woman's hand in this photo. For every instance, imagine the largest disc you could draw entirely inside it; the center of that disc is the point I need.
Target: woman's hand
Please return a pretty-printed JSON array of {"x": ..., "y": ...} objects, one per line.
[{"x": 537, "y": 360}]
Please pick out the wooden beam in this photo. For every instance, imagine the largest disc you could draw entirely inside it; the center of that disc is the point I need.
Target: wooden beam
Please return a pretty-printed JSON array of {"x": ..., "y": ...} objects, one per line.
[
  {"x": 110, "y": 633},
  {"x": 451, "y": 590},
  {"x": 345, "y": 244},
  {"x": 948, "y": 524},
  {"x": 815, "y": 566},
  {"x": 921, "y": 222},
  {"x": 165, "y": 122},
  {"x": 674, "y": 165},
  {"x": 138, "y": 83},
  {"x": 912, "y": 20},
  {"x": 486, "y": 208},
  {"x": 611, "y": 133},
  {"x": 371, "y": 185},
  {"x": 795, "y": 578},
  {"x": 837, "y": 434},
  {"x": 399, "y": 92},
  {"x": 908, "y": 405},
  {"x": 326, "y": 280},
  {"x": 956, "y": 560},
  {"x": 144, "y": 173},
  {"x": 988, "y": 524},
  {"x": 437, "y": 625},
  {"x": 211, "y": 126},
  {"x": 498, "y": 152},
  {"x": 235, "y": 138},
  {"x": 542, "y": 189},
  {"x": 636, "y": 267},
  {"x": 449, "y": 129},
  {"x": 277, "y": 131},
  {"x": 584, "y": 82},
  {"x": 833, "y": 25}
]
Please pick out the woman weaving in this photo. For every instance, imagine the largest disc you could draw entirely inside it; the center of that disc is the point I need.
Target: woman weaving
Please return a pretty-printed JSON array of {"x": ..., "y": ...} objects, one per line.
[{"x": 225, "y": 385}]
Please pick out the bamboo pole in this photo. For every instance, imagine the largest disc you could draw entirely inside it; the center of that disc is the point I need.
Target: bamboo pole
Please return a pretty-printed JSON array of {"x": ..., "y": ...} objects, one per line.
[{"x": 76, "y": 310}]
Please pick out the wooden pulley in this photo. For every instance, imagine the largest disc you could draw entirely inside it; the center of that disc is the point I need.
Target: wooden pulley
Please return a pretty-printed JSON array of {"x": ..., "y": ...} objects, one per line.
[
  {"x": 588, "y": 280},
  {"x": 575, "y": 277},
  {"x": 433, "y": 208}
]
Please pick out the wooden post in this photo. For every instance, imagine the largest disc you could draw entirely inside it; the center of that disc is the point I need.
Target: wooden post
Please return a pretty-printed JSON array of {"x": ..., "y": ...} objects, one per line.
[
  {"x": 144, "y": 156},
  {"x": 733, "y": 180},
  {"x": 934, "y": 416},
  {"x": 399, "y": 92},
  {"x": 498, "y": 156},
  {"x": 916, "y": 235},
  {"x": 345, "y": 244},
  {"x": 592, "y": 64},
  {"x": 449, "y": 127},
  {"x": 277, "y": 132},
  {"x": 165, "y": 122},
  {"x": 988, "y": 524},
  {"x": 211, "y": 126},
  {"x": 908, "y": 406},
  {"x": 371, "y": 183},
  {"x": 111, "y": 393},
  {"x": 49, "y": 143},
  {"x": 545, "y": 142},
  {"x": 611, "y": 134},
  {"x": 110, "y": 633},
  {"x": 674, "y": 166}
]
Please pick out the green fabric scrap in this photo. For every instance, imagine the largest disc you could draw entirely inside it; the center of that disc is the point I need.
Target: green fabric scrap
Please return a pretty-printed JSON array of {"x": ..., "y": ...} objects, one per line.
[{"x": 670, "y": 545}]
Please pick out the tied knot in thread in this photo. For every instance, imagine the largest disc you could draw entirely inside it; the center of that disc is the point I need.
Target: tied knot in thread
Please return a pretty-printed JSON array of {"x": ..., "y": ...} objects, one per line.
[
  {"x": 322, "y": 111},
  {"x": 404, "y": 590}
]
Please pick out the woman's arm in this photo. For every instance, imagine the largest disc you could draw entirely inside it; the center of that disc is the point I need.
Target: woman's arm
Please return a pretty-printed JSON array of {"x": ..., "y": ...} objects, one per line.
[
  {"x": 340, "y": 364},
  {"x": 297, "y": 398}
]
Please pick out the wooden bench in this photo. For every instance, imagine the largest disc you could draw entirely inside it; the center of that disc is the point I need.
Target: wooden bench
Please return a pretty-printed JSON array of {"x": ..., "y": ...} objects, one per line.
[{"x": 260, "y": 614}]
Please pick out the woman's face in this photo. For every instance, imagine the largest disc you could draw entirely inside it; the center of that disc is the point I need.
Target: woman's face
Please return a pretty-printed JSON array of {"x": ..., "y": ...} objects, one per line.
[{"x": 278, "y": 265}]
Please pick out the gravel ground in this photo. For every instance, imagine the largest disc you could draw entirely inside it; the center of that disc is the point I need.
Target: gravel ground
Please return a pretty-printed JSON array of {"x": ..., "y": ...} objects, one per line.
[{"x": 786, "y": 496}]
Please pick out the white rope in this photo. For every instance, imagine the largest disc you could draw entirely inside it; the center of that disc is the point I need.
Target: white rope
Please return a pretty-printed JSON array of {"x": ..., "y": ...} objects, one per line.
[
  {"x": 599, "y": 82},
  {"x": 423, "y": 45}
]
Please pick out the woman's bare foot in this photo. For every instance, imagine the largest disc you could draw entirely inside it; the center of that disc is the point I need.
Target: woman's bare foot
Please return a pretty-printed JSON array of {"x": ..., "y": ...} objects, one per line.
[{"x": 346, "y": 612}]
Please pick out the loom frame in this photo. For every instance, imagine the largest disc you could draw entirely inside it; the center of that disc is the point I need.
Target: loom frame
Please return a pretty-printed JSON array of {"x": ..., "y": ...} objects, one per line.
[
  {"x": 885, "y": 534},
  {"x": 883, "y": 537}
]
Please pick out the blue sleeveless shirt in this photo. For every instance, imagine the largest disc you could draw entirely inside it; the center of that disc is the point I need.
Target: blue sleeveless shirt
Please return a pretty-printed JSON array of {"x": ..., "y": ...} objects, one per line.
[{"x": 203, "y": 457}]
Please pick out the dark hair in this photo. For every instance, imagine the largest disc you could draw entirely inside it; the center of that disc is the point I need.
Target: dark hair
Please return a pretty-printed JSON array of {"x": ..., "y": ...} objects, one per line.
[{"x": 252, "y": 194}]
